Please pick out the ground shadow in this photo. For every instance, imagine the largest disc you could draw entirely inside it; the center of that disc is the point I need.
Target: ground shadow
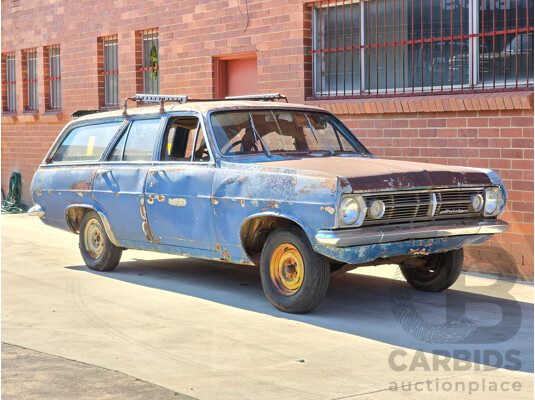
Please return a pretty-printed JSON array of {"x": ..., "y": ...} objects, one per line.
[{"x": 488, "y": 330}]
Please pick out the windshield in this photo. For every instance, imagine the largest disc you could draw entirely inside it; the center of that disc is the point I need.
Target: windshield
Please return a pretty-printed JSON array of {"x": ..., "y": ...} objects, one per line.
[{"x": 282, "y": 131}]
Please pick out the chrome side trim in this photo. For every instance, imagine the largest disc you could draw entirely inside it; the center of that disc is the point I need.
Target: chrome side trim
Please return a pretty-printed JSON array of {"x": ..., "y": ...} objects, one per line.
[
  {"x": 36, "y": 211},
  {"x": 375, "y": 235}
]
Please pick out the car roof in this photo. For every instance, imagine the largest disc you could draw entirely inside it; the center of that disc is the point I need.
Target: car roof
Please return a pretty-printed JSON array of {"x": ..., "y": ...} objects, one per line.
[{"x": 198, "y": 106}]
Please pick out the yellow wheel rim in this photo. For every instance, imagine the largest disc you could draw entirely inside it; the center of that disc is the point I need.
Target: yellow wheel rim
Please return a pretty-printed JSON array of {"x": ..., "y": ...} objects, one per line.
[{"x": 287, "y": 269}]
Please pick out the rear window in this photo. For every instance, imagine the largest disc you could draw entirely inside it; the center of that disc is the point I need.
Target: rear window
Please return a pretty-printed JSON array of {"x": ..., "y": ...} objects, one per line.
[{"x": 86, "y": 143}]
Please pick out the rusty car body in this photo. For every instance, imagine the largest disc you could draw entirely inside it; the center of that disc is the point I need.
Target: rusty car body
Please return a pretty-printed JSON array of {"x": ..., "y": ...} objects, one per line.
[{"x": 292, "y": 189}]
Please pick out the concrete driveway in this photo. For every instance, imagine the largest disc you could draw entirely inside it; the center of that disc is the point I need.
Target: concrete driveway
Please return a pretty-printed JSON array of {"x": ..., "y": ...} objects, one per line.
[{"x": 206, "y": 330}]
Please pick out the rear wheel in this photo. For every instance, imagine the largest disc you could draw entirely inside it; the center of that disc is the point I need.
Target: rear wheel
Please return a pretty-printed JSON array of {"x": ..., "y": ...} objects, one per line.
[
  {"x": 294, "y": 277},
  {"x": 98, "y": 252},
  {"x": 437, "y": 273}
]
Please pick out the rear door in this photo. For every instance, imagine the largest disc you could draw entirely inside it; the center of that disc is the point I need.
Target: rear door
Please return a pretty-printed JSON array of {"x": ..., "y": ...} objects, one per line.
[{"x": 120, "y": 180}]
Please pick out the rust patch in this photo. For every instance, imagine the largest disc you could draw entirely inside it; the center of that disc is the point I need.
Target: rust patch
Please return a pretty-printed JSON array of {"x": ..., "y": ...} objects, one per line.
[
  {"x": 39, "y": 193},
  {"x": 82, "y": 185},
  {"x": 242, "y": 202},
  {"x": 160, "y": 198},
  {"x": 422, "y": 251},
  {"x": 272, "y": 204},
  {"x": 74, "y": 201},
  {"x": 329, "y": 209},
  {"x": 344, "y": 183},
  {"x": 214, "y": 201},
  {"x": 50, "y": 192},
  {"x": 145, "y": 224},
  {"x": 226, "y": 254},
  {"x": 117, "y": 194},
  {"x": 147, "y": 231},
  {"x": 331, "y": 185}
]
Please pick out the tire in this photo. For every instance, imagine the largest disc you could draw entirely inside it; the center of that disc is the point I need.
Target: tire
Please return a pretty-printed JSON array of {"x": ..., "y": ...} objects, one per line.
[
  {"x": 294, "y": 277},
  {"x": 98, "y": 252},
  {"x": 440, "y": 272}
]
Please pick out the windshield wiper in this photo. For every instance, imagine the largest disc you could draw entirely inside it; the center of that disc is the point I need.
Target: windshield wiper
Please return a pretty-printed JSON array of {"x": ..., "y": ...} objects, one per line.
[
  {"x": 257, "y": 137},
  {"x": 316, "y": 136}
]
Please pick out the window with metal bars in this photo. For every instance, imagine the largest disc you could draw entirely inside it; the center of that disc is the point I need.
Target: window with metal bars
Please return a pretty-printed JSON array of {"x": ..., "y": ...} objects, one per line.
[
  {"x": 53, "y": 55},
  {"x": 150, "y": 66},
  {"x": 31, "y": 92},
  {"x": 10, "y": 103},
  {"x": 386, "y": 47},
  {"x": 110, "y": 71}
]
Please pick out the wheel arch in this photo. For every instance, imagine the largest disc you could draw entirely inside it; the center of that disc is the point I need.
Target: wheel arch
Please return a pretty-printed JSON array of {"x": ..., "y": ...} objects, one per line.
[
  {"x": 74, "y": 214},
  {"x": 255, "y": 230}
]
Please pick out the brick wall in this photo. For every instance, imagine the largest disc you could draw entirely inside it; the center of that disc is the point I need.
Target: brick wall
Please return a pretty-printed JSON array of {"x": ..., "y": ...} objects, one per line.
[{"x": 492, "y": 130}]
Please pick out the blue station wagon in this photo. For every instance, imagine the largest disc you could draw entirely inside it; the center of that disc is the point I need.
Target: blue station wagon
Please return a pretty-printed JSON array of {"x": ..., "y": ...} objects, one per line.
[{"x": 259, "y": 182}]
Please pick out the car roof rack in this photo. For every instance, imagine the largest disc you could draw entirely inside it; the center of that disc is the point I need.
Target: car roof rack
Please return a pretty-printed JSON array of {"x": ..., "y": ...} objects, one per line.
[
  {"x": 81, "y": 113},
  {"x": 161, "y": 99},
  {"x": 154, "y": 98},
  {"x": 259, "y": 97}
]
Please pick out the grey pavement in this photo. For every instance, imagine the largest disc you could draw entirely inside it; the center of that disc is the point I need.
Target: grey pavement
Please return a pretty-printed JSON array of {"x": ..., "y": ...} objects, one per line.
[
  {"x": 28, "y": 374},
  {"x": 205, "y": 329}
]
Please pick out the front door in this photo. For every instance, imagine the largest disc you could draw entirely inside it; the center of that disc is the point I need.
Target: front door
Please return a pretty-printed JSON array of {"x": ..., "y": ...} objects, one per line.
[
  {"x": 120, "y": 180},
  {"x": 178, "y": 190}
]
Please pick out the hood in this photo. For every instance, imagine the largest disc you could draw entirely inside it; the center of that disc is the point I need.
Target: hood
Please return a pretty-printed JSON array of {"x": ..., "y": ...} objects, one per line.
[{"x": 370, "y": 174}]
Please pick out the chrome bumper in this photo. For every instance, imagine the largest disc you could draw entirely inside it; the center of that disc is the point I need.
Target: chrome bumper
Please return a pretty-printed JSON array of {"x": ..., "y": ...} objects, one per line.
[
  {"x": 396, "y": 233},
  {"x": 36, "y": 211}
]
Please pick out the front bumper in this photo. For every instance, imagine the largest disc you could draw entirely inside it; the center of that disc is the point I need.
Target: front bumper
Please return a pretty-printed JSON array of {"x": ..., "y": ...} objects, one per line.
[{"x": 397, "y": 233}]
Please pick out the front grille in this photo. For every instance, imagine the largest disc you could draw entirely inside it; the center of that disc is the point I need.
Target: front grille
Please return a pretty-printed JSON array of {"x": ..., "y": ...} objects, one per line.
[{"x": 408, "y": 206}]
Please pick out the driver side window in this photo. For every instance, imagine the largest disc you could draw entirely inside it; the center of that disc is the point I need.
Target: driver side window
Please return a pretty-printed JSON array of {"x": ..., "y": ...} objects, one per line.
[{"x": 184, "y": 141}]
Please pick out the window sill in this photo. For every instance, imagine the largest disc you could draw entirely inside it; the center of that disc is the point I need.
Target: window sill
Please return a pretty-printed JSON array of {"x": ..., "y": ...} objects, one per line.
[
  {"x": 9, "y": 117},
  {"x": 52, "y": 116},
  {"x": 28, "y": 116},
  {"x": 512, "y": 100}
]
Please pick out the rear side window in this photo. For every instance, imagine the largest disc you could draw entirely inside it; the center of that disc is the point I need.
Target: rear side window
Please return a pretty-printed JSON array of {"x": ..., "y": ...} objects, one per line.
[
  {"x": 86, "y": 143},
  {"x": 137, "y": 143}
]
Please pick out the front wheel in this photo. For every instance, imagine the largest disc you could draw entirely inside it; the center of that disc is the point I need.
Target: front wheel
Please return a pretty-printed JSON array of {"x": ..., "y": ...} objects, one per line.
[
  {"x": 294, "y": 277},
  {"x": 98, "y": 252},
  {"x": 438, "y": 272}
]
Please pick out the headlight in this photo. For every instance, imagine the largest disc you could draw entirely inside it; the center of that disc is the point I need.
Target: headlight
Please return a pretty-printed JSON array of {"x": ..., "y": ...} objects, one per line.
[
  {"x": 352, "y": 210},
  {"x": 493, "y": 200},
  {"x": 377, "y": 209},
  {"x": 477, "y": 202}
]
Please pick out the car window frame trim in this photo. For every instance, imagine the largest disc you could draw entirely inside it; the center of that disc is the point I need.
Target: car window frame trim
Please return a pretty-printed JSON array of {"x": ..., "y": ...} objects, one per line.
[{"x": 188, "y": 113}]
